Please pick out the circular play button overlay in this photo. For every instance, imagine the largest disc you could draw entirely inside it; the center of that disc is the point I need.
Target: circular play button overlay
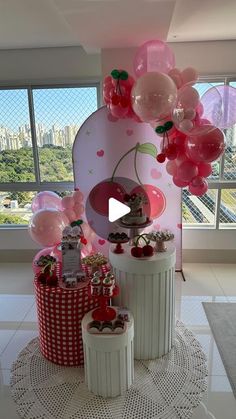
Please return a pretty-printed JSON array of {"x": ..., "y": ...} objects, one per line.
[{"x": 111, "y": 200}]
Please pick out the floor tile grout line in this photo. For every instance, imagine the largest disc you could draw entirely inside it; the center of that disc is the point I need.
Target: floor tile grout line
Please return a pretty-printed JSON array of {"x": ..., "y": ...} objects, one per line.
[{"x": 218, "y": 282}]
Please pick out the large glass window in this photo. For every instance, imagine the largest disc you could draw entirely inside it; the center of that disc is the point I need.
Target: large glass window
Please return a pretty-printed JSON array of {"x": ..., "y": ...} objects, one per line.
[
  {"x": 217, "y": 208},
  {"x": 38, "y": 126}
]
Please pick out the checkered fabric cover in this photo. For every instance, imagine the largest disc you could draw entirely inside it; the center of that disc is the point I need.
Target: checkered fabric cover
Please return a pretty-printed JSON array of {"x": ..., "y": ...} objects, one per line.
[{"x": 60, "y": 312}]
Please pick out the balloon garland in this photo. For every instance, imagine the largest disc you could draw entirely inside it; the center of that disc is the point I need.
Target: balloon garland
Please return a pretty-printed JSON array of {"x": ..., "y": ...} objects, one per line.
[{"x": 189, "y": 123}]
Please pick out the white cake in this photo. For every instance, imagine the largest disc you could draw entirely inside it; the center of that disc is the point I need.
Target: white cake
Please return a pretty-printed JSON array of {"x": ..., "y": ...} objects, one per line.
[{"x": 136, "y": 215}]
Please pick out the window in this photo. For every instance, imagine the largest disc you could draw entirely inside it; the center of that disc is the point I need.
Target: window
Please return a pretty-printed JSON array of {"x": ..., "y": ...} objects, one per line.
[
  {"x": 217, "y": 208},
  {"x": 37, "y": 130}
]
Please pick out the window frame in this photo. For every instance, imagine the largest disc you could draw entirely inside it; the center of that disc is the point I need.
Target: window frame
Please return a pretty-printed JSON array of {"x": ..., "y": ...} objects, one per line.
[
  {"x": 220, "y": 183},
  {"x": 37, "y": 185}
]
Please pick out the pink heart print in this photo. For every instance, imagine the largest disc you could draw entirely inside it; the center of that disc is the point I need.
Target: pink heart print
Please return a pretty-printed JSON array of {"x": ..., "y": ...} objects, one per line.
[
  {"x": 101, "y": 242},
  {"x": 179, "y": 226},
  {"x": 112, "y": 118},
  {"x": 155, "y": 174},
  {"x": 100, "y": 153},
  {"x": 129, "y": 132}
]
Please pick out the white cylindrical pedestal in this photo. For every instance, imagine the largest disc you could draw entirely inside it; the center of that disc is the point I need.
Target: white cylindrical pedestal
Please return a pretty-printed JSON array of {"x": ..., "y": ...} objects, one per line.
[
  {"x": 147, "y": 289},
  {"x": 108, "y": 360}
]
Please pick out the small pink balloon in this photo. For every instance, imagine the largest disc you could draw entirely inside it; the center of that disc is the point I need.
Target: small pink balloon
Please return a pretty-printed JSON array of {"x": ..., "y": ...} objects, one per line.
[
  {"x": 189, "y": 74},
  {"x": 118, "y": 111},
  {"x": 179, "y": 182},
  {"x": 171, "y": 167},
  {"x": 87, "y": 231},
  {"x": 186, "y": 125},
  {"x": 207, "y": 147},
  {"x": 46, "y": 199},
  {"x": 153, "y": 96},
  {"x": 43, "y": 252},
  {"x": 46, "y": 226},
  {"x": 78, "y": 197},
  {"x": 153, "y": 55},
  {"x": 198, "y": 186},
  {"x": 70, "y": 214},
  {"x": 68, "y": 202},
  {"x": 187, "y": 171},
  {"x": 189, "y": 113},
  {"x": 78, "y": 209},
  {"x": 175, "y": 75},
  {"x": 188, "y": 96},
  {"x": 204, "y": 169}
]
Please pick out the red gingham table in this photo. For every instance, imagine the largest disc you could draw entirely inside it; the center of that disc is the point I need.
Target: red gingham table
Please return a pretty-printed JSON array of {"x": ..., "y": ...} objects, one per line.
[{"x": 60, "y": 312}]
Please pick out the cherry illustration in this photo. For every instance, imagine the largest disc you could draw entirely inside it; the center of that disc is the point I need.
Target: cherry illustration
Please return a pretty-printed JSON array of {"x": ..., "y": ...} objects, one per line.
[
  {"x": 100, "y": 194},
  {"x": 137, "y": 251},
  {"x": 161, "y": 157},
  {"x": 148, "y": 250},
  {"x": 156, "y": 200}
]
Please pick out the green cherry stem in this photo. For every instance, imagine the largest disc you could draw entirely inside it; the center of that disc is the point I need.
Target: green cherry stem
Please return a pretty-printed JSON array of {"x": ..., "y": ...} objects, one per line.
[
  {"x": 135, "y": 164},
  {"x": 118, "y": 163},
  {"x": 141, "y": 236}
]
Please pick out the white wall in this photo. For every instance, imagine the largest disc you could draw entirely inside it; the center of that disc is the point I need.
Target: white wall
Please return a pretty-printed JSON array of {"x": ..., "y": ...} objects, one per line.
[{"x": 73, "y": 64}]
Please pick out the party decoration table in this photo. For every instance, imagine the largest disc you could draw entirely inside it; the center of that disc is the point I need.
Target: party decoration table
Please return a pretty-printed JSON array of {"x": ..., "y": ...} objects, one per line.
[
  {"x": 109, "y": 359},
  {"x": 147, "y": 289}
]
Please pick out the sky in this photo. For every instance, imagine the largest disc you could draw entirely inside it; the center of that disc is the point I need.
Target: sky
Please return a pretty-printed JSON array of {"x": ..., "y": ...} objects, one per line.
[{"x": 61, "y": 106}]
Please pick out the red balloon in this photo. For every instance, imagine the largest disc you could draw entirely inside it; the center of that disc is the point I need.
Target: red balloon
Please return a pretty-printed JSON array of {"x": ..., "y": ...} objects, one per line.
[
  {"x": 204, "y": 169},
  {"x": 198, "y": 186},
  {"x": 178, "y": 182},
  {"x": 206, "y": 147},
  {"x": 187, "y": 171}
]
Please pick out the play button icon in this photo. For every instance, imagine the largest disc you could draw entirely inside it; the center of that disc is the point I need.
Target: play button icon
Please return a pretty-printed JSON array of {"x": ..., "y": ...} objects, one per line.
[{"x": 117, "y": 210}]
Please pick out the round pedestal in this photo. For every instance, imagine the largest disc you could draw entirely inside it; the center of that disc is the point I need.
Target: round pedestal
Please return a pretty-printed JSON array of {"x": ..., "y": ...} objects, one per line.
[
  {"x": 108, "y": 360},
  {"x": 147, "y": 289}
]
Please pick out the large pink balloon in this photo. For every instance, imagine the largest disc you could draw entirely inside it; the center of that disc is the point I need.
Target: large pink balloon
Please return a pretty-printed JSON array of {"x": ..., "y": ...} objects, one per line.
[
  {"x": 46, "y": 199},
  {"x": 189, "y": 74},
  {"x": 207, "y": 147},
  {"x": 43, "y": 252},
  {"x": 198, "y": 186},
  {"x": 68, "y": 202},
  {"x": 224, "y": 112},
  {"x": 187, "y": 171},
  {"x": 153, "y": 96},
  {"x": 154, "y": 55},
  {"x": 204, "y": 169},
  {"x": 46, "y": 226},
  {"x": 178, "y": 182}
]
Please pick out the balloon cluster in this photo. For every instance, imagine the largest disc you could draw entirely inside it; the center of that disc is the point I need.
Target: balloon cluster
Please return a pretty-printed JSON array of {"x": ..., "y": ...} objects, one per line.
[
  {"x": 51, "y": 214},
  {"x": 189, "y": 123}
]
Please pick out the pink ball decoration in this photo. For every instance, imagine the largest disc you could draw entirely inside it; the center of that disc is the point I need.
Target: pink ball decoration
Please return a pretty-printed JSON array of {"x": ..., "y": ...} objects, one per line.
[
  {"x": 46, "y": 199},
  {"x": 43, "y": 252},
  {"x": 204, "y": 169},
  {"x": 187, "y": 171},
  {"x": 67, "y": 202},
  {"x": 175, "y": 75},
  {"x": 179, "y": 182},
  {"x": 198, "y": 186},
  {"x": 153, "y": 96},
  {"x": 153, "y": 55},
  {"x": 78, "y": 196},
  {"x": 171, "y": 167},
  {"x": 78, "y": 209},
  {"x": 188, "y": 96},
  {"x": 46, "y": 226},
  {"x": 207, "y": 147},
  {"x": 189, "y": 74}
]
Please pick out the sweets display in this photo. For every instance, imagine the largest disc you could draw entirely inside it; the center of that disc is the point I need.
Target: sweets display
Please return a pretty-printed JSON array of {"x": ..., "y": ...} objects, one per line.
[
  {"x": 95, "y": 262},
  {"x": 116, "y": 326},
  {"x": 160, "y": 237}
]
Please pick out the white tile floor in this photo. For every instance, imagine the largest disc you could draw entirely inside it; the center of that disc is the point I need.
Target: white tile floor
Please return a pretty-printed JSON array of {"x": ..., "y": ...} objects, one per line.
[{"x": 205, "y": 282}]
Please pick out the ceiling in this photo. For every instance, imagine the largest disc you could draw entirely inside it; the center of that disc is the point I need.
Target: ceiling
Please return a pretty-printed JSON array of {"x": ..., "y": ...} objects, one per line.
[{"x": 97, "y": 24}]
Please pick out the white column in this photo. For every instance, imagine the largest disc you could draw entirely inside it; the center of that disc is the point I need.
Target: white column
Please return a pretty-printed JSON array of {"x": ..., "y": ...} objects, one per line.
[{"x": 147, "y": 289}]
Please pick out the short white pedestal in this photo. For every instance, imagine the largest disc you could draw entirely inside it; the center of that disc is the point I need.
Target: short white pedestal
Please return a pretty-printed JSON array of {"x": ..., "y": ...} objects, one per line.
[
  {"x": 147, "y": 288},
  {"x": 108, "y": 360}
]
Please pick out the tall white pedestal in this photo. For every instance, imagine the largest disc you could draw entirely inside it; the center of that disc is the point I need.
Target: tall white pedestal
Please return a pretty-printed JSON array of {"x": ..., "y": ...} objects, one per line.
[
  {"x": 147, "y": 288},
  {"x": 108, "y": 360}
]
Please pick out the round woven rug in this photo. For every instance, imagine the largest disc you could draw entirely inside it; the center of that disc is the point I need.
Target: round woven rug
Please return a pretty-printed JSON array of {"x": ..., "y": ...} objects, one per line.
[{"x": 169, "y": 387}]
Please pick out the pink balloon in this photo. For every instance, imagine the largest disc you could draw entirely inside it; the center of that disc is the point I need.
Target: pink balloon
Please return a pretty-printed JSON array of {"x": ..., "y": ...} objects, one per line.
[
  {"x": 180, "y": 183},
  {"x": 180, "y": 159},
  {"x": 186, "y": 125},
  {"x": 153, "y": 55},
  {"x": 46, "y": 226},
  {"x": 153, "y": 96},
  {"x": 204, "y": 169},
  {"x": 87, "y": 231},
  {"x": 198, "y": 186},
  {"x": 171, "y": 167},
  {"x": 43, "y": 252},
  {"x": 187, "y": 171},
  {"x": 70, "y": 214},
  {"x": 188, "y": 96},
  {"x": 46, "y": 199},
  {"x": 189, "y": 74},
  {"x": 189, "y": 113},
  {"x": 118, "y": 111},
  {"x": 78, "y": 197},
  {"x": 67, "y": 202},
  {"x": 207, "y": 147},
  {"x": 57, "y": 253},
  {"x": 227, "y": 110},
  {"x": 175, "y": 75}
]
